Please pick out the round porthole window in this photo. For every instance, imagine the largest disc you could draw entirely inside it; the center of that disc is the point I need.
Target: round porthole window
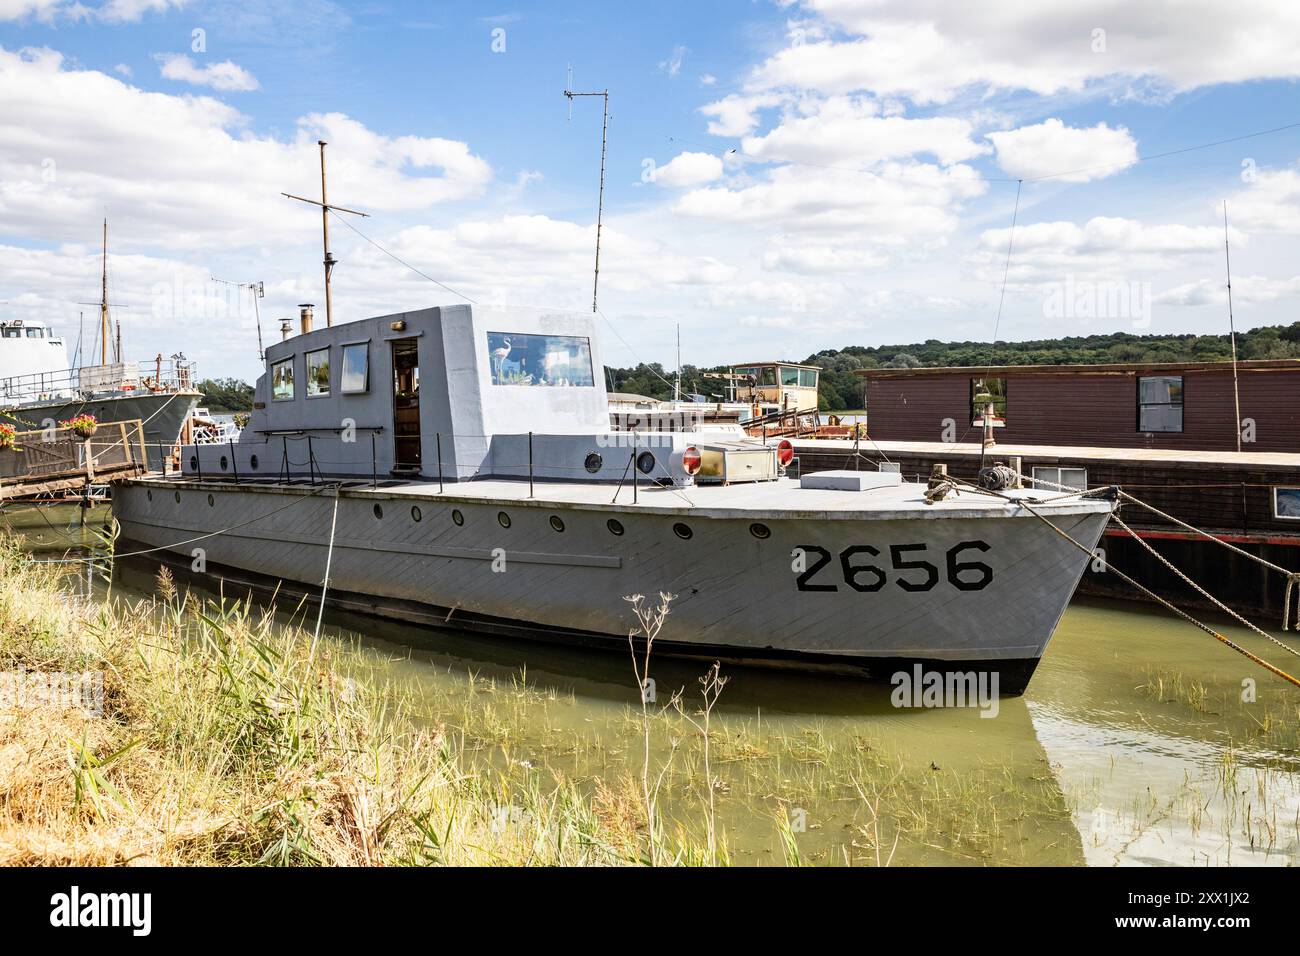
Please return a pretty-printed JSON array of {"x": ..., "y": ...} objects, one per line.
[
  {"x": 457, "y": 517},
  {"x": 683, "y": 531},
  {"x": 503, "y": 519},
  {"x": 379, "y": 511},
  {"x": 645, "y": 462},
  {"x": 224, "y": 464},
  {"x": 252, "y": 462},
  {"x": 415, "y": 513},
  {"x": 557, "y": 523},
  {"x": 194, "y": 462},
  {"x": 593, "y": 463},
  {"x": 211, "y": 501},
  {"x": 614, "y": 525},
  {"x": 149, "y": 493},
  {"x": 760, "y": 530},
  {"x": 178, "y": 497}
]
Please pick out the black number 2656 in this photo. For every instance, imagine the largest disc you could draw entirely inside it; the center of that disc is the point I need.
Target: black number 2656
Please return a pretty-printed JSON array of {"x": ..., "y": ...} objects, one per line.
[{"x": 916, "y": 575}]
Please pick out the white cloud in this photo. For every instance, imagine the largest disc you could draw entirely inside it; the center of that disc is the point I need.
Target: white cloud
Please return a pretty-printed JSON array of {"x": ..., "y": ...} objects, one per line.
[
  {"x": 849, "y": 130},
  {"x": 1051, "y": 148},
  {"x": 689, "y": 169},
  {"x": 129, "y": 11},
  {"x": 226, "y": 75},
  {"x": 124, "y": 70},
  {"x": 707, "y": 79},
  {"x": 737, "y": 115},
  {"x": 37, "y": 9},
  {"x": 1269, "y": 204},
  {"x": 75, "y": 142},
  {"x": 928, "y": 50},
  {"x": 1246, "y": 290},
  {"x": 673, "y": 65}
]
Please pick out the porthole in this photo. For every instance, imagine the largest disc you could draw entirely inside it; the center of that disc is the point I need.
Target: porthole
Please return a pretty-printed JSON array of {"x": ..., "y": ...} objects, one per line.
[
  {"x": 760, "y": 530},
  {"x": 593, "y": 463},
  {"x": 379, "y": 511},
  {"x": 614, "y": 525},
  {"x": 645, "y": 462},
  {"x": 211, "y": 501},
  {"x": 149, "y": 493},
  {"x": 224, "y": 463},
  {"x": 503, "y": 519},
  {"x": 194, "y": 462},
  {"x": 682, "y": 531},
  {"x": 252, "y": 462},
  {"x": 457, "y": 517},
  {"x": 557, "y": 523},
  {"x": 178, "y": 497},
  {"x": 415, "y": 513}
]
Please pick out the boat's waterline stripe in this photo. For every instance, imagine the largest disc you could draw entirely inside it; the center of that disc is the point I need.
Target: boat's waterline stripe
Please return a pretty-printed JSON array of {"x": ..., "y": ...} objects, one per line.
[{"x": 404, "y": 547}]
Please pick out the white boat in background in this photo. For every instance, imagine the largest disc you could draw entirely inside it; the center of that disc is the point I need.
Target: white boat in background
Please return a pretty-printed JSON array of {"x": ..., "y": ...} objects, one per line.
[{"x": 442, "y": 475}]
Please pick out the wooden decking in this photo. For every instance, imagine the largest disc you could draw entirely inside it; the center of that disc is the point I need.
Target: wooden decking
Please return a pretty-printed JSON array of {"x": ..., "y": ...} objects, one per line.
[{"x": 54, "y": 460}]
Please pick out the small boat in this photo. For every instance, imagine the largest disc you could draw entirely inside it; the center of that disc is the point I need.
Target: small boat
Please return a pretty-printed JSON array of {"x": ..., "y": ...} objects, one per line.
[{"x": 457, "y": 464}]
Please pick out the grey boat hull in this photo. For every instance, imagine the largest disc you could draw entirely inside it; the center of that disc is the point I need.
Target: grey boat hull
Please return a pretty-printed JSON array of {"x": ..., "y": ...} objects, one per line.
[
  {"x": 869, "y": 596},
  {"x": 163, "y": 415}
]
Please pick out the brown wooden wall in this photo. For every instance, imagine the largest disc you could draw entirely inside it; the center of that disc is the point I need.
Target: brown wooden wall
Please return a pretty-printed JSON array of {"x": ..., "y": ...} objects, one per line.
[{"x": 1098, "y": 409}]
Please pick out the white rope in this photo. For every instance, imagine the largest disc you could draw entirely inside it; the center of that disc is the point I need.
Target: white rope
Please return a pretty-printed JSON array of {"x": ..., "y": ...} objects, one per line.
[{"x": 325, "y": 584}]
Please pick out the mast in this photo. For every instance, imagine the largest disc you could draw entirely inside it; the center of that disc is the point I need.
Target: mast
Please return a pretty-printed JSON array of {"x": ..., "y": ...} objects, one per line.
[
  {"x": 103, "y": 302},
  {"x": 600, "y": 201},
  {"x": 677, "y": 388},
  {"x": 1232, "y": 329},
  {"x": 325, "y": 210}
]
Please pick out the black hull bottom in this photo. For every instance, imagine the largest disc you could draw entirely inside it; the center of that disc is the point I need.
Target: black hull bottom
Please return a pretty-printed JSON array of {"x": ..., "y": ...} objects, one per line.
[{"x": 1013, "y": 674}]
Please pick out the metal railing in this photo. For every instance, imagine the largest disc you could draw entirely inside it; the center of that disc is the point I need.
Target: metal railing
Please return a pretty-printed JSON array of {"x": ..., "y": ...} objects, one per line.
[{"x": 156, "y": 375}]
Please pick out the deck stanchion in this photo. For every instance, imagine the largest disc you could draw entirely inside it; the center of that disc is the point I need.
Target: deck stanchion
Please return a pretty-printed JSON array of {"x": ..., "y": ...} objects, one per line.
[
  {"x": 635, "y": 483},
  {"x": 374, "y": 463},
  {"x": 233, "y": 464},
  {"x": 439, "y": 436},
  {"x": 288, "y": 477},
  {"x": 530, "y": 464},
  {"x": 311, "y": 463}
]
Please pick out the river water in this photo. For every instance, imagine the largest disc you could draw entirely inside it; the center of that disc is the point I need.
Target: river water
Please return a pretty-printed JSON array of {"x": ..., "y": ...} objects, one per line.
[{"x": 1140, "y": 741}]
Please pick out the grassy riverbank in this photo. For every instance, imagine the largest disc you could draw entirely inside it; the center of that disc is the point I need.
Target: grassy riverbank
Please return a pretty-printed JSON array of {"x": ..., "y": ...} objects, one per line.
[{"x": 224, "y": 740}]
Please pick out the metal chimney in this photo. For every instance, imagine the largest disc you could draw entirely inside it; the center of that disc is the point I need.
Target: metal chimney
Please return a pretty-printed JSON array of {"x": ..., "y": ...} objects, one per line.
[
  {"x": 304, "y": 314},
  {"x": 286, "y": 330}
]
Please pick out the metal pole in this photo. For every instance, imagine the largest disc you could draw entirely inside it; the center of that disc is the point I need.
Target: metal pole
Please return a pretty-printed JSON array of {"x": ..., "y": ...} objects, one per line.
[
  {"x": 288, "y": 475},
  {"x": 374, "y": 463},
  {"x": 635, "y": 482},
  {"x": 530, "y": 464},
  {"x": 439, "y": 462},
  {"x": 325, "y": 230},
  {"x": 311, "y": 463},
  {"x": 1232, "y": 329},
  {"x": 233, "y": 463}
]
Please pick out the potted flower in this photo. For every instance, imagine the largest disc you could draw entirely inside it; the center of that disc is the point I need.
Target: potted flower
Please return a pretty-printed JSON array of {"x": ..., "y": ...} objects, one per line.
[
  {"x": 83, "y": 426},
  {"x": 7, "y": 434}
]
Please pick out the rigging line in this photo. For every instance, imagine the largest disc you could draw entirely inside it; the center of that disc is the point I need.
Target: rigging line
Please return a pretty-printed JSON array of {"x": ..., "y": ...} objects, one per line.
[
  {"x": 1032, "y": 179},
  {"x": 648, "y": 367},
  {"x": 399, "y": 259}
]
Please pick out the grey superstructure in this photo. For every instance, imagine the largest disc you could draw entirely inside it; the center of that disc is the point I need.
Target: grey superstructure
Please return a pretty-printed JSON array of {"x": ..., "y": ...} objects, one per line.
[{"x": 461, "y": 462}]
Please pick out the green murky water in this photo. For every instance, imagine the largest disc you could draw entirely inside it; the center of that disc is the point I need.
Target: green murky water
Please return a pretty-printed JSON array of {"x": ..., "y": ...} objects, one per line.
[{"x": 1141, "y": 741}]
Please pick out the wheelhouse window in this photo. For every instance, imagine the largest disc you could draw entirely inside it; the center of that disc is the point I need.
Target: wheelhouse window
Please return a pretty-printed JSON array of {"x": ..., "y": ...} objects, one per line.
[
  {"x": 318, "y": 373},
  {"x": 13, "y": 333},
  {"x": 1160, "y": 403},
  {"x": 1286, "y": 503},
  {"x": 558, "y": 361},
  {"x": 282, "y": 380},
  {"x": 355, "y": 374},
  {"x": 807, "y": 378},
  {"x": 35, "y": 333},
  {"x": 789, "y": 378},
  {"x": 985, "y": 392},
  {"x": 1050, "y": 478}
]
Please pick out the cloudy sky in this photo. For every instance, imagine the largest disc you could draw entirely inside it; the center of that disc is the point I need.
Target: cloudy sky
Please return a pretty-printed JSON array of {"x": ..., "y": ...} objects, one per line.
[{"x": 783, "y": 175}]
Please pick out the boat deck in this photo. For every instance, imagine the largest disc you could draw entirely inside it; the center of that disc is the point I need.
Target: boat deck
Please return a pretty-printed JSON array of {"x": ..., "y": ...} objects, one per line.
[{"x": 783, "y": 498}]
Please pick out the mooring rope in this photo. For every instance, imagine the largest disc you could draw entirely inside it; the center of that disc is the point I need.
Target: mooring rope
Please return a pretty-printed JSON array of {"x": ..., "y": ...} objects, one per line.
[{"x": 325, "y": 584}]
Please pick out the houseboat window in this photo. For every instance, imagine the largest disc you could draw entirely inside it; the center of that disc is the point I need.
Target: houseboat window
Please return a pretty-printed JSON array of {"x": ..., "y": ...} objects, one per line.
[
  {"x": 1069, "y": 477},
  {"x": 13, "y": 333},
  {"x": 282, "y": 381},
  {"x": 554, "y": 360},
  {"x": 790, "y": 378},
  {"x": 1286, "y": 503},
  {"x": 1160, "y": 403},
  {"x": 984, "y": 391},
  {"x": 767, "y": 376},
  {"x": 355, "y": 376},
  {"x": 35, "y": 333},
  {"x": 318, "y": 373},
  {"x": 807, "y": 378}
]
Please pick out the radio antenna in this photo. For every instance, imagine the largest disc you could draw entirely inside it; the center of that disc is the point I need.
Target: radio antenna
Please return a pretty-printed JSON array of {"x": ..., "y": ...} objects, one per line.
[
  {"x": 600, "y": 202},
  {"x": 1232, "y": 329},
  {"x": 258, "y": 292}
]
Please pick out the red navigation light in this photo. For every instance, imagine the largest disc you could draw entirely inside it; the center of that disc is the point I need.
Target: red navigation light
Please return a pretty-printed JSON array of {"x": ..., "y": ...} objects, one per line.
[
  {"x": 691, "y": 460},
  {"x": 784, "y": 453}
]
